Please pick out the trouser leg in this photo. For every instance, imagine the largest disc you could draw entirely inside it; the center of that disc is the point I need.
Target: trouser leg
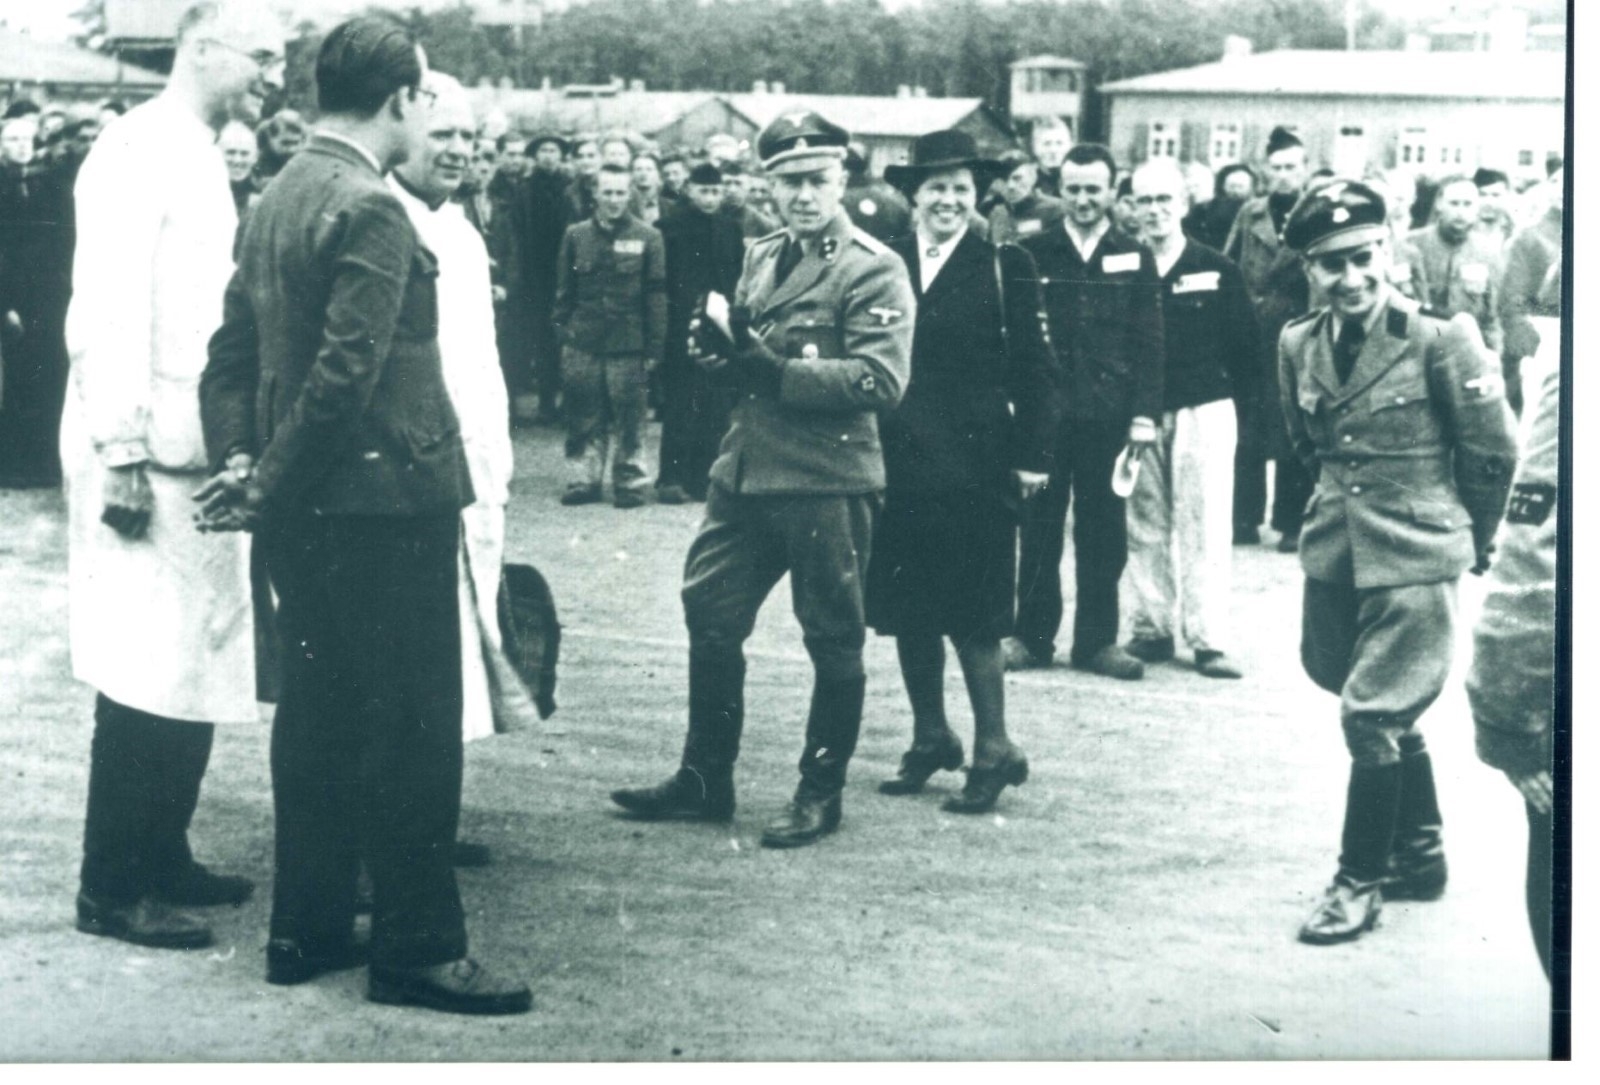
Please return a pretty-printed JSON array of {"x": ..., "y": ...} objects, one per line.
[
  {"x": 546, "y": 354},
  {"x": 1099, "y": 539},
  {"x": 182, "y": 754},
  {"x": 733, "y": 564},
  {"x": 1540, "y": 887},
  {"x": 827, "y": 542},
  {"x": 1043, "y": 542},
  {"x": 983, "y": 668},
  {"x": 316, "y": 747},
  {"x": 676, "y": 416},
  {"x": 116, "y": 830},
  {"x": 1150, "y": 539},
  {"x": 394, "y": 585},
  {"x": 585, "y": 411},
  {"x": 1399, "y": 664},
  {"x": 1249, "y": 488},
  {"x": 1202, "y": 483},
  {"x": 1291, "y": 489},
  {"x": 627, "y": 387}
]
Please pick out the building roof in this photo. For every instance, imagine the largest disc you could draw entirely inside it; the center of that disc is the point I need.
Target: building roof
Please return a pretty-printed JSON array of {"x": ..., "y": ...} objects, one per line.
[
  {"x": 864, "y": 115},
  {"x": 143, "y": 20},
  {"x": 1048, "y": 62},
  {"x": 1364, "y": 74},
  {"x": 25, "y": 59},
  {"x": 645, "y": 112}
]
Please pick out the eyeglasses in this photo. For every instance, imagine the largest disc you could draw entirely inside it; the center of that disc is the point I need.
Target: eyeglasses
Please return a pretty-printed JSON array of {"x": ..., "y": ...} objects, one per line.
[
  {"x": 265, "y": 59},
  {"x": 1160, "y": 199},
  {"x": 1334, "y": 263}
]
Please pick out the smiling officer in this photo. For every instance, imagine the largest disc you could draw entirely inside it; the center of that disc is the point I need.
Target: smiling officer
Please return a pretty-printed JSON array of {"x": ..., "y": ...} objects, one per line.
[
  {"x": 1405, "y": 414},
  {"x": 818, "y": 341}
]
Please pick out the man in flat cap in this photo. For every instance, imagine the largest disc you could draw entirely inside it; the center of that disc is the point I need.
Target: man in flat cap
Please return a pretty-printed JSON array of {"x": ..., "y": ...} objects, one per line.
[
  {"x": 818, "y": 341},
  {"x": 1277, "y": 287},
  {"x": 1405, "y": 414}
]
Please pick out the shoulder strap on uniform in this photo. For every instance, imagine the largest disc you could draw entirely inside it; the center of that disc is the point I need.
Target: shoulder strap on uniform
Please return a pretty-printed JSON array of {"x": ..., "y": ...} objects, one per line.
[{"x": 867, "y": 241}]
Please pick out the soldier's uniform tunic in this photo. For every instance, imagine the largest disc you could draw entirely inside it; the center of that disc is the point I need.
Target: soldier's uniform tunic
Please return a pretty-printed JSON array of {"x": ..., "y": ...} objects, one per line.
[
  {"x": 799, "y": 477},
  {"x": 1415, "y": 451}
]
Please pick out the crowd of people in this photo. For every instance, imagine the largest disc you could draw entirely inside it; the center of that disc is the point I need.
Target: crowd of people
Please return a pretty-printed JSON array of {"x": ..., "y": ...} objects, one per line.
[{"x": 298, "y": 352}]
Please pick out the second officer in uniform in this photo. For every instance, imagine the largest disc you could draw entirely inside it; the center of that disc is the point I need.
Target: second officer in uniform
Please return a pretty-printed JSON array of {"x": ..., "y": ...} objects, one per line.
[
  {"x": 818, "y": 341},
  {"x": 1404, "y": 413}
]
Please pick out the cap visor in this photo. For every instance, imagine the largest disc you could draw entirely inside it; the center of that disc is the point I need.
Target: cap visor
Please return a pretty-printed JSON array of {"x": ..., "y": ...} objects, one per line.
[{"x": 1353, "y": 238}]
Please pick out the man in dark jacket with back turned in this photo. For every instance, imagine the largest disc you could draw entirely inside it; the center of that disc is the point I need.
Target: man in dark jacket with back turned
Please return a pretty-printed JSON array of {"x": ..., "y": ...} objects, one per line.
[
  {"x": 326, "y": 369},
  {"x": 1103, "y": 304}
]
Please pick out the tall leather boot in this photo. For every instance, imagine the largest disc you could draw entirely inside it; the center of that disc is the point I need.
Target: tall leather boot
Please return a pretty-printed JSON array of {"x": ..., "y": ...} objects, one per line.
[
  {"x": 832, "y": 728},
  {"x": 1417, "y": 869},
  {"x": 1350, "y": 906},
  {"x": 702, "y": 788}
]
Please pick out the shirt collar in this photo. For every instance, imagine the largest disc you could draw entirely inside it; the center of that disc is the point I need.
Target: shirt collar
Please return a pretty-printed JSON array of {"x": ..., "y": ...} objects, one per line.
[
  {"x": 926, "y": 245},
  {"x": 1087, "y": 245},
  {"x": 371, "y": 159}
]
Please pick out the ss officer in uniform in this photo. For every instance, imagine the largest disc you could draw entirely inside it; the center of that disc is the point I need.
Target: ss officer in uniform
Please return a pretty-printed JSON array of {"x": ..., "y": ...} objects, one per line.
[
  {"x": 818, "y": 341},
  {"x": 1405, "y": 414}
]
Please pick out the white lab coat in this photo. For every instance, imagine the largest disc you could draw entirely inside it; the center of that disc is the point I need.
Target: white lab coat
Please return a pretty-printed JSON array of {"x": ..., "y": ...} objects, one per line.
[
  {"x": 493, "y": 698},
  {"x": 162, "y": 624}
]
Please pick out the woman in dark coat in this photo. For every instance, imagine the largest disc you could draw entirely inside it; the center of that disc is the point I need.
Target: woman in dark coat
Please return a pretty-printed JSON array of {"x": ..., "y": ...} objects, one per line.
[{"x": 969, "y": 442}]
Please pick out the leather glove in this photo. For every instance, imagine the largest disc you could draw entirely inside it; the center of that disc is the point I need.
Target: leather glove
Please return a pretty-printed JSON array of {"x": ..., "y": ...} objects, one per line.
[{"x": 762, "y": 368}]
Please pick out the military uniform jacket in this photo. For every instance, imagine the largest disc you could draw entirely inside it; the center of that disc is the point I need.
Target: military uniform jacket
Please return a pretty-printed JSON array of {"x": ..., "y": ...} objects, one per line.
[
  {"x": 843, "y": 322},
  {"x": 1452, "y": 279},
  {"x": 1416, "y": 450}
]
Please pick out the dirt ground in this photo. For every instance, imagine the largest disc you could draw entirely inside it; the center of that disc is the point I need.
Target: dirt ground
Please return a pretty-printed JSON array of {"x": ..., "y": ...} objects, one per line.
[{"x": 1137, "y": 899}]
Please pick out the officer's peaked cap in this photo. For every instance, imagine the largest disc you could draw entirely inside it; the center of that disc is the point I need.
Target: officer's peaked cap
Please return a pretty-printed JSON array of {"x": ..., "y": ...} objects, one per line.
[
  {"x": 1339, "y": 214},
  {"x": 801, "y": 142}
]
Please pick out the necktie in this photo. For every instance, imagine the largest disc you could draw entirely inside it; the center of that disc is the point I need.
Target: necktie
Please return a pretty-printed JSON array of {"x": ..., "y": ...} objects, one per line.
[
  {"x": 788, "y": 259},
  {"x": 1347, "y": 348}
]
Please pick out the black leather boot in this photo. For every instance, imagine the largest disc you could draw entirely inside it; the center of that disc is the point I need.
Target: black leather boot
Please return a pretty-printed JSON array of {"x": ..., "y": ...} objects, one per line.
[
  {"x": 1350, "y": 906},
  {"x": 832, "y": 729},
  {"x": 702, "y": 789},
  {"x": 1417, "y": 869}
]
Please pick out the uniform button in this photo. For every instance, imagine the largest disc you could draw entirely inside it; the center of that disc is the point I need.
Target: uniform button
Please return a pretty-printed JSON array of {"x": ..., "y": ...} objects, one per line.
[
  {"x": 1399, "y": 399},
  {"x": 1348, "y": 438},
  {"x": 1355, "y": 489}
]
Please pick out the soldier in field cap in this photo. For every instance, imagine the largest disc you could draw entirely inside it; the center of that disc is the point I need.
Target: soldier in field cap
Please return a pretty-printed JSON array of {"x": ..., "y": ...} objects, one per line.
[
  {"x": 816, "y": 343},
  {"x": 1404, "y": 413}
]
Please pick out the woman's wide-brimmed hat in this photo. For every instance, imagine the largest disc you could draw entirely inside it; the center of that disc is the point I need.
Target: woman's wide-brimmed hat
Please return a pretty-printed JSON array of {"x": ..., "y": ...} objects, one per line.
[{"x": 944, "y": 150}]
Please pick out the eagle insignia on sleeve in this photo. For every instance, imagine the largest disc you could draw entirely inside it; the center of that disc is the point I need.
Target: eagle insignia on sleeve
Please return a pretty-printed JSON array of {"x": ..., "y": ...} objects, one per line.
[{"x": 885, "y": 315}]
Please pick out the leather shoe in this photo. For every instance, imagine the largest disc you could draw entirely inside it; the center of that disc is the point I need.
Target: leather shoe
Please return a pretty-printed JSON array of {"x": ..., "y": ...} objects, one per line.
[
  {"x": 1017, "y": 656},
  {"x": 468, "y": 854},
  {"x": 581, "y": 495},
  {"x": 628, "y": 499},
  {"x": 1246, "y": 536},
  {"x": 671, "y": 495},
  {"x": 688, "y": 795},
  {"x": 1151, "y": 649},
  {"x": 1289, "y": 542},
  {"x": 1347, "y": 910},
  {"x": 1418, "y": 872},
  {"x": 921, "y": 761},
  {"x": 147, "y": 922},
  {"x": 805, "y": 821},
  {"x": 459, "y": 986},
  {"x": 197, "y": 887},
  {"x": 289, "y": 962},
  {"x": 985, "y": 782},
  {"x": 1214, "y": 664},
  {"x": 1112, "y": 662}
]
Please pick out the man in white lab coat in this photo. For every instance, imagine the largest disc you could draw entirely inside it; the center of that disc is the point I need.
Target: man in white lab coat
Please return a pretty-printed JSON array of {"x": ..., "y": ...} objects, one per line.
[
  {"x": 160, "y": 617},
  {"x": 493, "y": 698}
]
